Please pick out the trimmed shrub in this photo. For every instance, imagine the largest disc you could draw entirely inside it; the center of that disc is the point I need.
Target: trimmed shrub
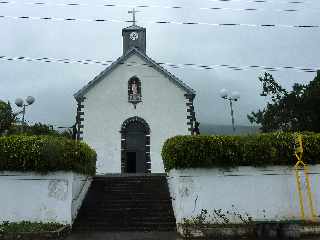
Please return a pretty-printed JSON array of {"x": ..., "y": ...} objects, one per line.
[
  {"x": 46, "y": 154},
  {"x": 230, "y": 151}
]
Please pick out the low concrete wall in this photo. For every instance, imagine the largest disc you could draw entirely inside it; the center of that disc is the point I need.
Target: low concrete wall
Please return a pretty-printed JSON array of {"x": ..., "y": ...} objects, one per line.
[
  {"x": 80, "y": 187},
  {"x": 265, "y": 194},
  {"x": 54, "y": 197}
]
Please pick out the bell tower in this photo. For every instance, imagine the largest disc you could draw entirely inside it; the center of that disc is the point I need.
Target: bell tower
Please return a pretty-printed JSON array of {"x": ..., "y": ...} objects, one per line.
[{"x": 134, "y": 36}]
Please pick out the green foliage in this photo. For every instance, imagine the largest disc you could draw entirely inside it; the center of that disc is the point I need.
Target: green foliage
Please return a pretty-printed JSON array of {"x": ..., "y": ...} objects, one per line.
[
  {"x": 199, "y": 222},
  {"x": 30, "y": 227},
  {"x": 230, "y": 151},
  {"x": 204, "y": 220},
  {"x": 7, "y": 118},
  {"x": 45, "y": 154},
  {"x": 38, "y": 129},
  {"x": 68, "y": 133},
  {"x": 41, "y": 129},
  {"x": 297, "y": 110}
]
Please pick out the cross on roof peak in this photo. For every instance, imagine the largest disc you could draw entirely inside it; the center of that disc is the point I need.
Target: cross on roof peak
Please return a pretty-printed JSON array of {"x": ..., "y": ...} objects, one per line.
[{"x": 133, "y": 11}]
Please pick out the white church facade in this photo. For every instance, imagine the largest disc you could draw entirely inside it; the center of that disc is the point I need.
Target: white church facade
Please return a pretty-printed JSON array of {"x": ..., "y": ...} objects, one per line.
[{"x": 127, "y": 112}]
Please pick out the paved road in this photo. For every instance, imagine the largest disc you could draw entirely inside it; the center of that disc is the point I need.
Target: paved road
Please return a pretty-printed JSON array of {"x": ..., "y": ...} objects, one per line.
[
  {"x": 124, "y": 236},
  {"x": 134, "y": 236}
]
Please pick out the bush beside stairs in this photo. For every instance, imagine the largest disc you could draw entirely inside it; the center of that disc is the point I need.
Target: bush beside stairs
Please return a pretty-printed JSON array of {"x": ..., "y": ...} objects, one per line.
[{"x": 119, "y": 202}]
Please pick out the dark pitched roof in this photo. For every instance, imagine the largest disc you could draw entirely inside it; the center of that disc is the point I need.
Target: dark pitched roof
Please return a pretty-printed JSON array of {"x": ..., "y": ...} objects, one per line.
[
  {"x": 124, "y": 57},
  {"x": 133, "y": 27}
]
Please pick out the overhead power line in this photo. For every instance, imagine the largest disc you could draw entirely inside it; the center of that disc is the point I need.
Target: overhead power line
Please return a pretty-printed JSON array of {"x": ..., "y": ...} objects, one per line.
[
  {"x": 75, "y": 4},
  {"x": 261, "y": 1},
  {"x": 172, "y": 65},
  {"x": 161, "y": 22}
]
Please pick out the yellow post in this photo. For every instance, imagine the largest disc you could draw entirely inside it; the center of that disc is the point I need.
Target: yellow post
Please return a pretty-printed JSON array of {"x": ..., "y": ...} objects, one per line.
[
  {"x": 310, "y": 197},
  {"x": 300, "y": 163},
  {"x": 300, "y": 193}
]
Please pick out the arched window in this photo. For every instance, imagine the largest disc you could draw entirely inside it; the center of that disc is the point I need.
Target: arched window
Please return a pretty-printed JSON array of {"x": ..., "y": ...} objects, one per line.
[{"x": 134, "y": 90}]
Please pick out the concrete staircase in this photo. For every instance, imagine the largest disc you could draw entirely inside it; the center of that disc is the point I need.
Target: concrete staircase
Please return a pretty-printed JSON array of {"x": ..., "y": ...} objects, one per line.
[{"x": 127, "y": 203}]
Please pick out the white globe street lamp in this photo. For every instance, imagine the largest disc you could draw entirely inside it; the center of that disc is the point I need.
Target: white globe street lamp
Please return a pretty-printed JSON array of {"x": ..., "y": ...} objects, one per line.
[
  {"x": 20, "y": 103},
  {"x": 235, "y": 96},
  {"x": 224, "y": 93},
  {"x": 30, "y": 100}
]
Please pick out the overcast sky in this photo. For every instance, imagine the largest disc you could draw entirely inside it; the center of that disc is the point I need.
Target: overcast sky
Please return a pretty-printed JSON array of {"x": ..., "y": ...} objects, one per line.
[{"x": 53, "y": 84}]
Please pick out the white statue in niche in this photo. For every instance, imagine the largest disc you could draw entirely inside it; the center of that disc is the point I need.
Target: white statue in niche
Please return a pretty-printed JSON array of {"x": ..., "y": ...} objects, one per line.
[
  {"x": 134, "y": 88},
  {"x": 134, "y": 95}
]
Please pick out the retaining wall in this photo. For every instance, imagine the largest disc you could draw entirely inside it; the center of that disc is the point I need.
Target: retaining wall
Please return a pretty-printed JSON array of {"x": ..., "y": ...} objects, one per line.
[
  {"x": 264, "y": 194},
  {"x": 54, "y": 197}
]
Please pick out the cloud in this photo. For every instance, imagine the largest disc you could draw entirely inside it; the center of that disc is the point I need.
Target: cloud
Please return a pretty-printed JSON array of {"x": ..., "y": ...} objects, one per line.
[{"x": 54, "y": 84}]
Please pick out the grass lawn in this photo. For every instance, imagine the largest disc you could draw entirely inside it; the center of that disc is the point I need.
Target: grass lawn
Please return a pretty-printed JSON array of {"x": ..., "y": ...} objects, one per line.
[{"x": 31, "y": 227}]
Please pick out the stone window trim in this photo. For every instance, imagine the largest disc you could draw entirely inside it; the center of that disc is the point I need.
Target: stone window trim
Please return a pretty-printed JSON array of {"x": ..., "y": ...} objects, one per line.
[
  {"x": 80, "y": 118},
  {"x": 123, "y": 133},
  {"x": 191, "y": 118}
]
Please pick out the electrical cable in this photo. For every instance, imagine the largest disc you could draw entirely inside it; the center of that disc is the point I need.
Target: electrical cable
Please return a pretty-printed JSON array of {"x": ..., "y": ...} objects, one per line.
[
  {"x": 172, "y": 65},
  {"x": 162, "y": 22},
  {"x": 74, "y": 4}
]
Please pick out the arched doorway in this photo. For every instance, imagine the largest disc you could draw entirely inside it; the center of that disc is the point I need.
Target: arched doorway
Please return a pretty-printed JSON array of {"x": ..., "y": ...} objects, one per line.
[{"x": 135, "y": 146}]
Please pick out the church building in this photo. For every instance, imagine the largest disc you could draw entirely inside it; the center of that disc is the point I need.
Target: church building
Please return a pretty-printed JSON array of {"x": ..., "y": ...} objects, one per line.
[{"x": 130, "y": 109}]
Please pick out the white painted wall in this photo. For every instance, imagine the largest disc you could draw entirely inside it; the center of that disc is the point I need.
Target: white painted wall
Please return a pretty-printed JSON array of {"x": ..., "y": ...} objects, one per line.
[
  {"x": 106, "y": 107},
  {"x": 29, "y": 196},
  {"x": 80, "y": 187},
  {"x": 244, "y": 190}
]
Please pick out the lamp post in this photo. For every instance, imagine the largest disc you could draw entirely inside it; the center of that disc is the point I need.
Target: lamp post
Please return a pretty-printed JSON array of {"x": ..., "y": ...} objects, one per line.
[
  {"x": 235, "y": 96},
  {"x": 20, "y": 103}
]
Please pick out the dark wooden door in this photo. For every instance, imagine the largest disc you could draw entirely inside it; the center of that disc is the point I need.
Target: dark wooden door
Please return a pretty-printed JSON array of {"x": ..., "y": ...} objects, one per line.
[{"x": 135, "y": 148}]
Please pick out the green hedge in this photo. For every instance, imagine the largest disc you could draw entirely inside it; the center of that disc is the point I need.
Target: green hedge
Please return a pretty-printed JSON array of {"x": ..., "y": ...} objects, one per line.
[
  {"x": 46, "y": 154},
  {"x": 230, "y": 151}
]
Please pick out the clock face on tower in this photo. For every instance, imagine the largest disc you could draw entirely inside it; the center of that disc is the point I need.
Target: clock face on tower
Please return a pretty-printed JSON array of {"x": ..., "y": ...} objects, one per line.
[{"x": 134, "y": 36}]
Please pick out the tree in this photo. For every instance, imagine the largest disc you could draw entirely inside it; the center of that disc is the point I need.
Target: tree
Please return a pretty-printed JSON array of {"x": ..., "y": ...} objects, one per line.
[
  {"x": 40, "y": 129},
  {"x": 297, "y": 110},
  {"x": 7, "y": 126},
  {"x": 7, "y": 117}
]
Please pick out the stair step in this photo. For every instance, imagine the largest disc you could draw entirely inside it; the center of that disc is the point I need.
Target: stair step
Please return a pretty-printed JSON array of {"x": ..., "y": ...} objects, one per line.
[
  {"x": 138, "y": 225},
  {"x": 127, "y": 209},
  {"x": 124, "y": 217},
  {"x": 143, "y": 224},
  {"x": 131, "y": 222},
  {"x": 127, "y": 203},
  {"x": 126, "y": 229}
]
